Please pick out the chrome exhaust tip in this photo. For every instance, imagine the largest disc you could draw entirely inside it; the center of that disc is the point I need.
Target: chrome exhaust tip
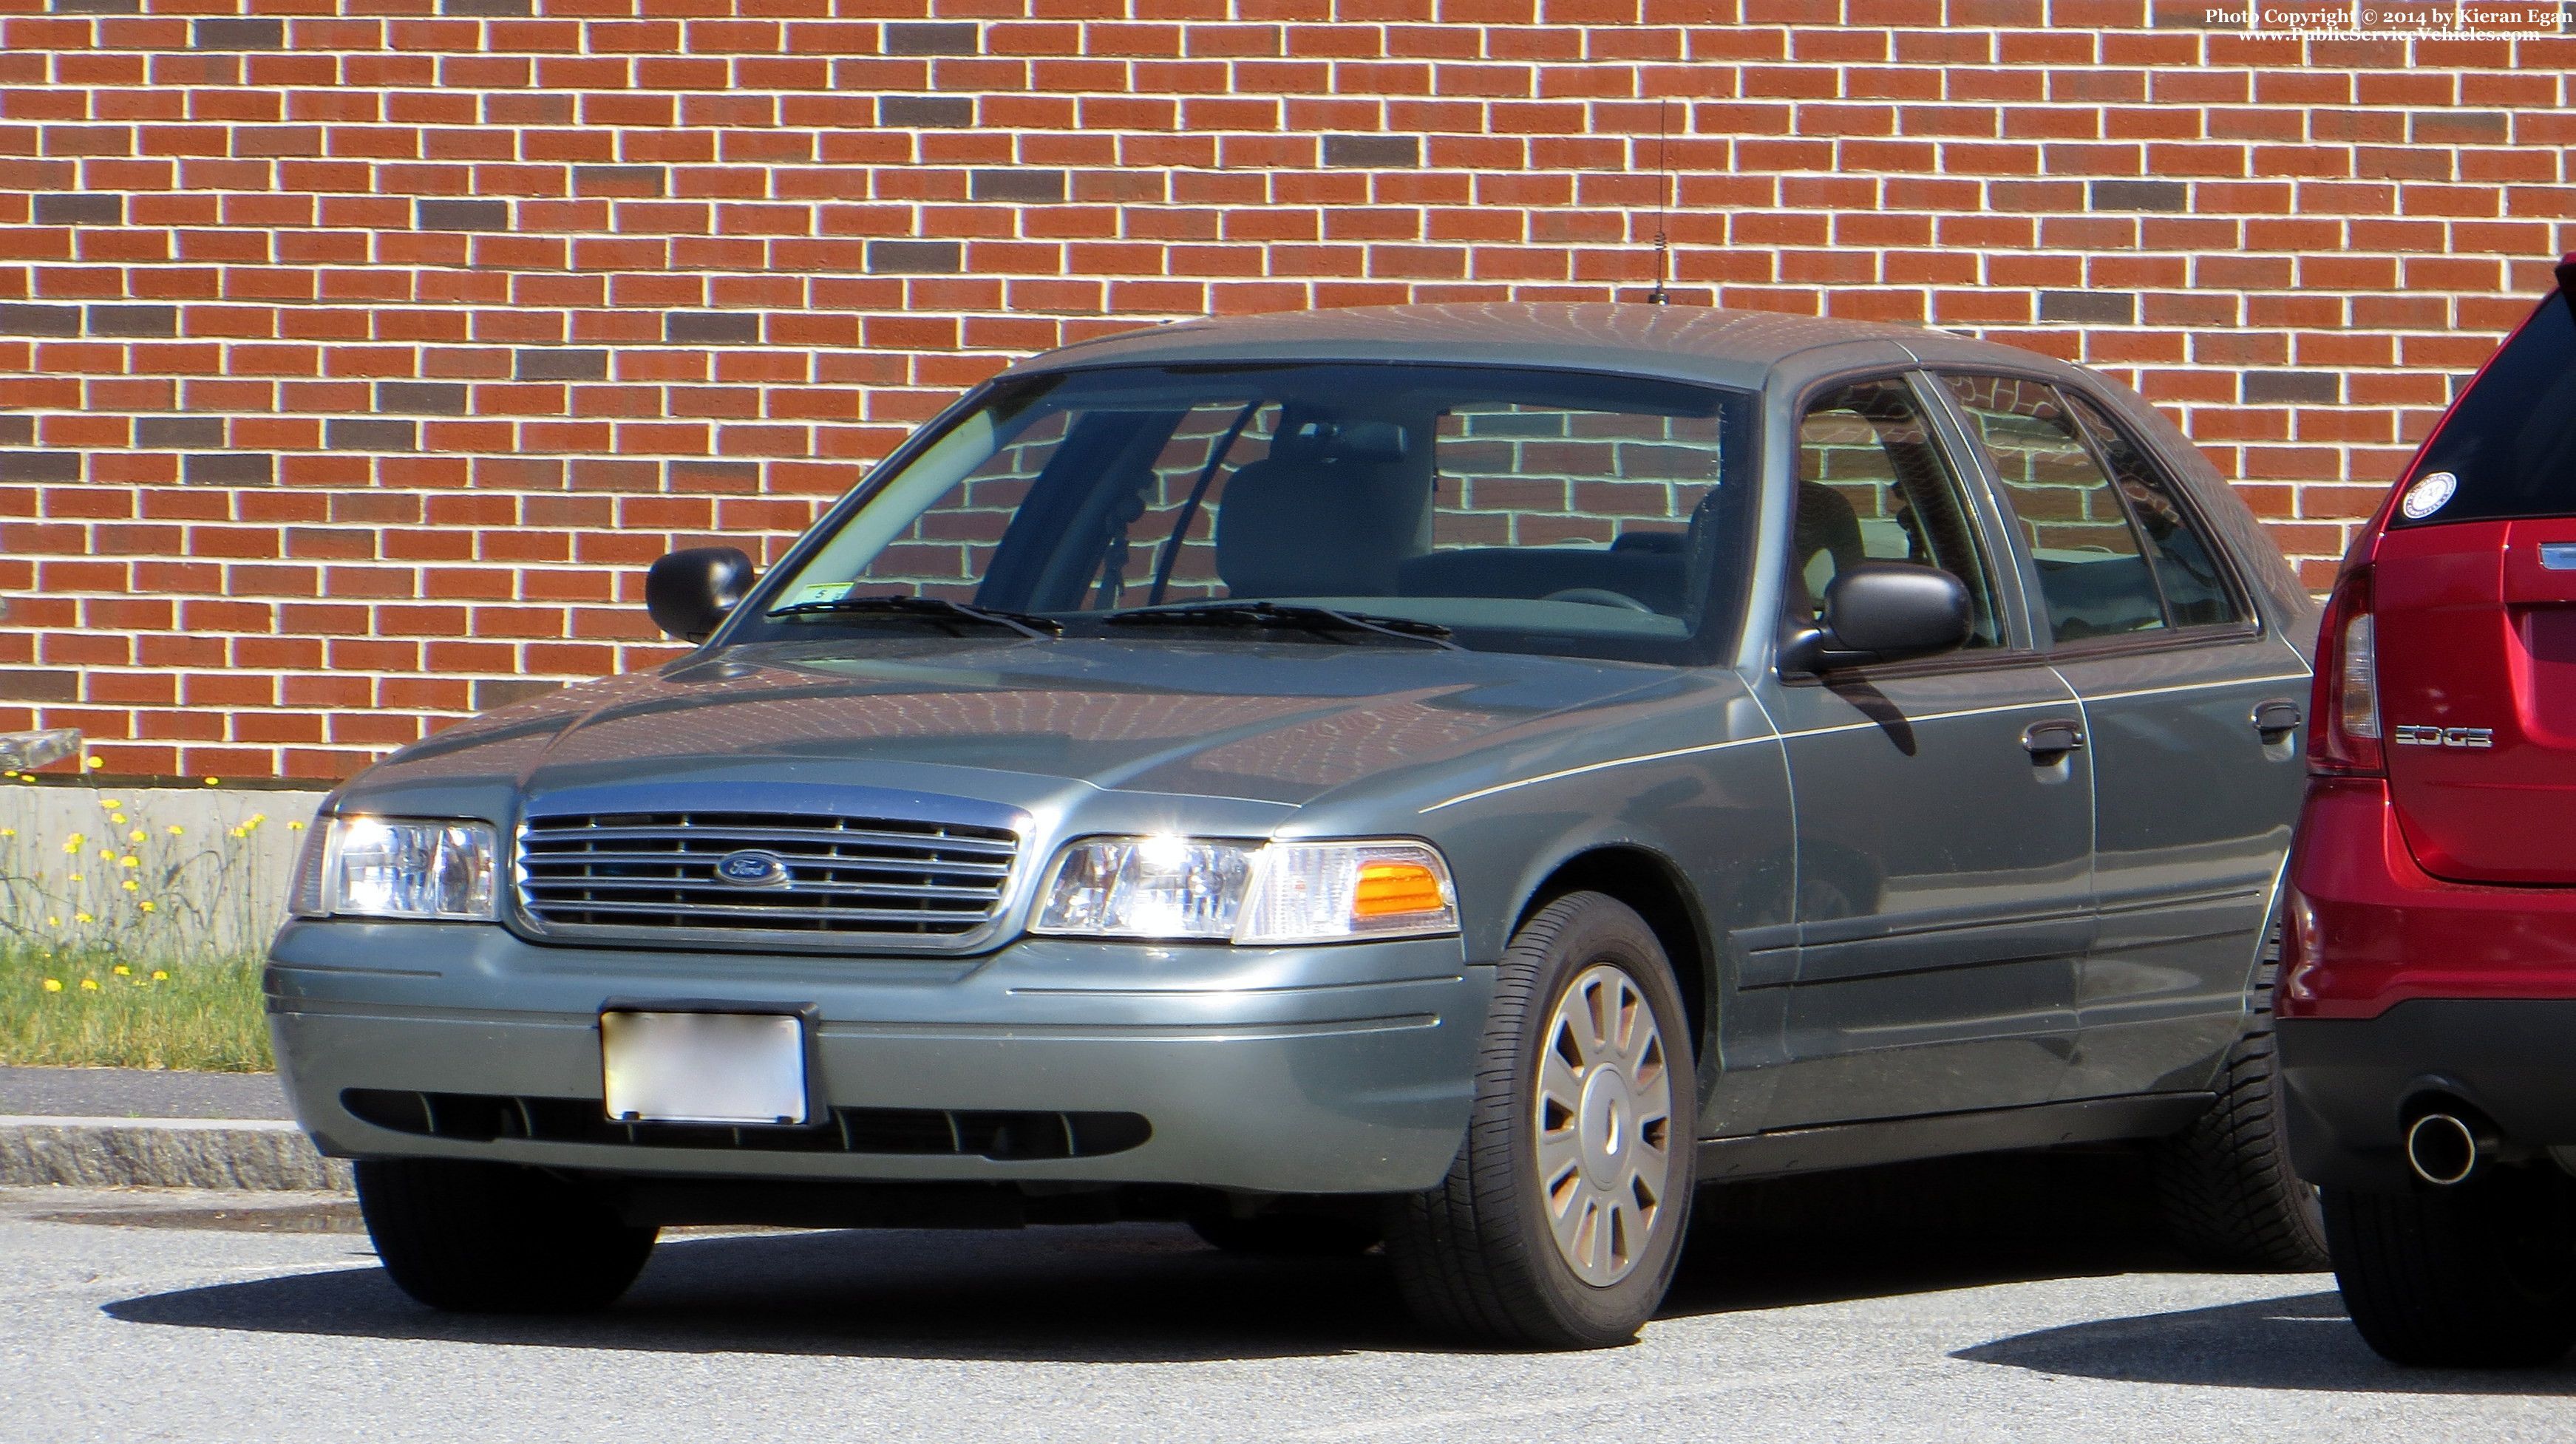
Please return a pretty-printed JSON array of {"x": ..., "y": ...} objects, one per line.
[{"x": 2444, "y": 1150}]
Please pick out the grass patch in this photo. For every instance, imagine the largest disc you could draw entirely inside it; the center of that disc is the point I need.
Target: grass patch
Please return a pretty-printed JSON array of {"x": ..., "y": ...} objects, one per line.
[
  {"x": 97, "y": 1009},
  {"x": 129, "y": 940}
]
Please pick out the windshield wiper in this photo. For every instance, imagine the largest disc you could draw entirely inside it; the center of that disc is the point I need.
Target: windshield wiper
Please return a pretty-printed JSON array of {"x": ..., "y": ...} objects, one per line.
[
  {"x": 931, "y": 608},
  {"x": 1273, "y": 614}
]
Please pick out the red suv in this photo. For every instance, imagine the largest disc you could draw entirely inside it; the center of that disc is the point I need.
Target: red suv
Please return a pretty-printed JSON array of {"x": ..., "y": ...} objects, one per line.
[{"x": 2427, "y": 999}]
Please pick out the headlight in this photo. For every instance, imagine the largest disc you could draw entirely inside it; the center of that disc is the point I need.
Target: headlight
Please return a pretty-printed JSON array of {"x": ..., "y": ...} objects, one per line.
[
  {"x": 1254, "y": 893},
  {"x": 377, "y": 867}
]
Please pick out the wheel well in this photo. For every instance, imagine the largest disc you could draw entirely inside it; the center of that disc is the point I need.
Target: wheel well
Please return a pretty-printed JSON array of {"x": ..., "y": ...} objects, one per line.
[{"x": 1648, "y": 884}]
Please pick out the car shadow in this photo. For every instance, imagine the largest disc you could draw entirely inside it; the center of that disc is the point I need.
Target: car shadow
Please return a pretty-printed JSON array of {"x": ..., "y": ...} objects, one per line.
[
  {"x": 1920, "y": 1227},
  {"x": 1154, "y": 1293},
  {"x": 1121, "y": 1293},
  {"x": 2296, "y": 1341}
]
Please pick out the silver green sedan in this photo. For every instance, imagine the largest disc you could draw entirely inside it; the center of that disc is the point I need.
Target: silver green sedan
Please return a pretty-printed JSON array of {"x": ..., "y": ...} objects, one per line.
[{"x": 1447, "y": 779}]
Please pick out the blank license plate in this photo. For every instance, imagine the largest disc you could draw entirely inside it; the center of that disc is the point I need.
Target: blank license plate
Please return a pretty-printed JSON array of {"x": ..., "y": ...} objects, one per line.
[{"x": 739, "y": 1068}]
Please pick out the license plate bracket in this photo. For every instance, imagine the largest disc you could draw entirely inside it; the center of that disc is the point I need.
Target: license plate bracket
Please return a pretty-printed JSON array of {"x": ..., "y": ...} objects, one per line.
[{"x": 743, "y": 1065}]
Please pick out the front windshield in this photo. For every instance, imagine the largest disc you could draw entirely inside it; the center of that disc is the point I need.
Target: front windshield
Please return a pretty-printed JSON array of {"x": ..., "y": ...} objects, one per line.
[{"x": 1521, "y": 510}]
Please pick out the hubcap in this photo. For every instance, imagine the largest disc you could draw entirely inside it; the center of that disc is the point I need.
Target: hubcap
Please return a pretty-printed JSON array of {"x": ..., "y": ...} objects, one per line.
[{"x": 1605, "y": 1107}]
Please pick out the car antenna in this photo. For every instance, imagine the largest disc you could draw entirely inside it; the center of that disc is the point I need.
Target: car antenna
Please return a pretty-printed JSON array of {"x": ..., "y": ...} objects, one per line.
[{"x": 1663, "y": 203}]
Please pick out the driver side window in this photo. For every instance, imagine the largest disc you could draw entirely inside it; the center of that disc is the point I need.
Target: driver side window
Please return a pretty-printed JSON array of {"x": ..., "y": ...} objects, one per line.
[{"x": 1873, "y": 486}]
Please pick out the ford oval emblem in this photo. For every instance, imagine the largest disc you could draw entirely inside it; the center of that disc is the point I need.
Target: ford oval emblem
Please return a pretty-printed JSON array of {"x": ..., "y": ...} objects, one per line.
[{"x": 752, "y": 869}]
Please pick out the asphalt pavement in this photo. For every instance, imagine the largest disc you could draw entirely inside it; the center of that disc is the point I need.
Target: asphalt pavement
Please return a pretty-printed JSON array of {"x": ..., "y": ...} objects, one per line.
[
  {"x": 131, "y": 1315},
  {"x": 138, "y": 1093}
]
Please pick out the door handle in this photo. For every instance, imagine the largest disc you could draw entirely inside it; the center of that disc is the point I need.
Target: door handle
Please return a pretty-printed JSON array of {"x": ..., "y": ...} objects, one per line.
[
  {"x": 2050, "y": 740},
  {"x": 2276, "y": 719}
]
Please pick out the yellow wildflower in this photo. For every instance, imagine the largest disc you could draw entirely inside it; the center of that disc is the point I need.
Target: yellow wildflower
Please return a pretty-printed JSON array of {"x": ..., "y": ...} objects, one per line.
[
  {"x": 241, "y": 832},
  {"x": 210, "y": 782},
  {"x": 176, "y": 829},
  {"x": 117, "y": 817},
  {"x": 53, "y": 922},
  {"x": 295, "y": 827},
  {"x": 147, "y": 906},
  {"x": 256, "y": 819},
  {"x": 129, "y": 861},
  {"x": 95, "y": 763},
  {"x": 137, "y": 835},
  {"x": 132, "y": 886},
  {"x": 53, "y": 985},
  {"x": 74, "y": 876},
  {"x": 8, "y": 832},
  {"x": 107, "y": 854},
  {"x": 110, "y": 803},
  {"x": 123, "y": 971},
  {"x": 89, "y": 985},
  {"x": 73, "y": 843},
  {"x": 83, "y": 918},
  {"x": 159, "y": 976}
]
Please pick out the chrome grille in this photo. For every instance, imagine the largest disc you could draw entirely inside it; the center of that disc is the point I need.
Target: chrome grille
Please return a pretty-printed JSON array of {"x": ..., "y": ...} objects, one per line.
[{"x": 655, "y": 874}]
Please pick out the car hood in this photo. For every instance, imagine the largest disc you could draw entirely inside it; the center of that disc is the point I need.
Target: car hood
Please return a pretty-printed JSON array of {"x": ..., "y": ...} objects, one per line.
[{"x": 1281, "y": 723}]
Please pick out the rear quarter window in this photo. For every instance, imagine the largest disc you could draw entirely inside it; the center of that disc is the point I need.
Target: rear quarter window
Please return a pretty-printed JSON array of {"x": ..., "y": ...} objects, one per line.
[{"x": 2509, "y": 444}]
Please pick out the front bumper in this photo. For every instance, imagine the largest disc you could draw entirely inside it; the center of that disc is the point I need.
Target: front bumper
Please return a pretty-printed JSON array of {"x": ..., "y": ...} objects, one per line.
[
  {"x": 1346, "y": 1069},
  {"x": 2355, "y": 1083}
]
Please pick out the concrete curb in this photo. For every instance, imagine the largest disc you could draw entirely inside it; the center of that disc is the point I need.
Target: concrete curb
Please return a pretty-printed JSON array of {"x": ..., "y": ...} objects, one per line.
[{"x": 233, "y": 1153}]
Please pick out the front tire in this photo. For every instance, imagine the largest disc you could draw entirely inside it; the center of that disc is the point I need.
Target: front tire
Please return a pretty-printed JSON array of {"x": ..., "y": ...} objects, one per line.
[
  {"x": 2478, "y": 1275},
  {"x": 1561, "y": 1221},
  {"x": 496, "y": 1238}
]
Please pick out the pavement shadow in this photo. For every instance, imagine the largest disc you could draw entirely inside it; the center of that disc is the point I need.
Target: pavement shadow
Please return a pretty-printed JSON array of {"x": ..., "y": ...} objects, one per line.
[
  {"x": 1921, "y": 1228},
  {"x": 1153, "y": 1293},
  {"x": 1125, "y": 1293},
  {"x": 2297, "y": 1341}
]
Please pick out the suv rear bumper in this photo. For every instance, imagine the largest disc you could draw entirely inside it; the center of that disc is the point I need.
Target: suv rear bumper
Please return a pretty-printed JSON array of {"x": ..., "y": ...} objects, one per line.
[
  {"x": 2356, "y": 1083},
  {"x": 1344, "y": 1069},
  {"x": 2398, "y": 988},
  {"x": 2369, "y": 928}
]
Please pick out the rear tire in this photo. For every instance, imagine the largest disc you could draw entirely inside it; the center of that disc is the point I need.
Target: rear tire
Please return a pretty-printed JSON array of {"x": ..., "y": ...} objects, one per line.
[
  {"x": 2229, "y": 1196},
  {"x": 1561, "y": 1221},
  {"x": 2225, "y": 1186},
  {"x": 2479, "y": 1275},
  {"x": 495, "y": 1238}
]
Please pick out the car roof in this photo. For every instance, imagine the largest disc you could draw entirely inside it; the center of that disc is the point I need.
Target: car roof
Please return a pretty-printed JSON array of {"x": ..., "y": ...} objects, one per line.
[{"x": 1690, "y": 343}]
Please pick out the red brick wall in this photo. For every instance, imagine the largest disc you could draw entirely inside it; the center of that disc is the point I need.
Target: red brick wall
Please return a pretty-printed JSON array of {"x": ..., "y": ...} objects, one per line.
[{"x": 355, "y": 355}]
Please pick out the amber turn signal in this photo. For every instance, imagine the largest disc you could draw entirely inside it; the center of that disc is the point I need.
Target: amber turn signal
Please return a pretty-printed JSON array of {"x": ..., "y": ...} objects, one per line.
[{"x": 1387, "y": 889}]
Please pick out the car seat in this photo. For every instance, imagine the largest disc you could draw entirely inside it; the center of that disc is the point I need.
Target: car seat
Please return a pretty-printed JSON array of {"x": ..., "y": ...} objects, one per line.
[{"x": 1329, "y": 513}]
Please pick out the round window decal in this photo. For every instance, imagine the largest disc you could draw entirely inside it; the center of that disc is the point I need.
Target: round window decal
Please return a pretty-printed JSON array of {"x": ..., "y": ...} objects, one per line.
[{"x": 2428, "y": 495}]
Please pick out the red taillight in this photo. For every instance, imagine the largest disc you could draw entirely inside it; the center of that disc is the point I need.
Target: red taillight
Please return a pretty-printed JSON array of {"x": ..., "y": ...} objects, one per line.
[{"x": 2343, "y": 707}]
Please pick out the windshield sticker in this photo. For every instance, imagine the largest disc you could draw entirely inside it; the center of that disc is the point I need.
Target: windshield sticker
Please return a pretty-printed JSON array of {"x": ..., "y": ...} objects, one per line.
[
  {"x": 2428, "y": 495},
  {"x": 816, "y": 592}
]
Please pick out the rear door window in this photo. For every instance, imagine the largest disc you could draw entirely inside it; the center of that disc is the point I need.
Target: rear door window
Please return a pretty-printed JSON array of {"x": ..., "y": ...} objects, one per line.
[
  {"x": 2067, "y": 490},
  {"x": 2196, "y": 592},
  {"x": 2509, "y": 445}
]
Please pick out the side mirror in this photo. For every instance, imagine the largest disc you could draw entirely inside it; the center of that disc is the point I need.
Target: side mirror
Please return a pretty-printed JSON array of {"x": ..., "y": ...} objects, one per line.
[
  {"x": 1882, "y": 612},
  {"x": 689, "y": 592}
]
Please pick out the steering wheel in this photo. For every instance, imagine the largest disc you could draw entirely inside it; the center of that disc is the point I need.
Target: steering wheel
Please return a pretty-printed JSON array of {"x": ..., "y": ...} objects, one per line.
[{"x": 1598, "y": 597}]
